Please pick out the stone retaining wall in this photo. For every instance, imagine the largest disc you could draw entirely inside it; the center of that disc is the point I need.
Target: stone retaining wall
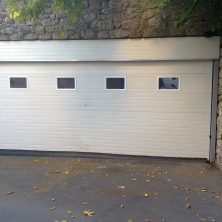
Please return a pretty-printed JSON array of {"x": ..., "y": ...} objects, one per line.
[
  {"x": 102, "y": 19},
  {"x": 219, "y": 118}
]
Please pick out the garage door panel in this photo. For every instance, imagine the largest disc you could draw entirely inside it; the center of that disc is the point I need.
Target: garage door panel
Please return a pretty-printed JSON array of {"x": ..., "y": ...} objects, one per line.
[
  {"x": 198, "y": 67},
  {"x": 140, "y": 120}
]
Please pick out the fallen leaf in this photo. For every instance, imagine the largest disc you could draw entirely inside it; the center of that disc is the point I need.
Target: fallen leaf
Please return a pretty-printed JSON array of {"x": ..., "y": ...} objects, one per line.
[
  {"x": 57, "y": 171},
  {"x": 147, "y": 220},
  {"x": 84, "y": 203},
  {"x": 89, "y": 213},
  {"x": 146, "y": 195},
  {"x": 130, "y": 220},
  {"x": 188, "y": 206},
  {"x": 35, "y": 188},
  {"x": 67, "y": 172},
  {"x": 10, "y": 192},
  {"x": 122, "y": 205},
  {"x": 69, "y": 211},
  {"x": 121, "y": 187},
  {"x": 134, "y": 179},
  {"x": 203, "y": 190},
  {"x": 52, "y": 208}
]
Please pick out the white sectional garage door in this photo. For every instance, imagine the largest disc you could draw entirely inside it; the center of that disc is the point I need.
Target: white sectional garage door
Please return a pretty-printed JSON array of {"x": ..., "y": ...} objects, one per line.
[
  {"x": 147, "y": 97},
  {"x": 140, "y": 120}
]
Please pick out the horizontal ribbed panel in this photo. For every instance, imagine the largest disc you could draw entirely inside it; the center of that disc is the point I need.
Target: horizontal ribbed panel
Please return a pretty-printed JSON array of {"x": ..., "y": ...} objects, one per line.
[
  {"x": 140, "y": 120},
  {"x": 183, "y": 48}
]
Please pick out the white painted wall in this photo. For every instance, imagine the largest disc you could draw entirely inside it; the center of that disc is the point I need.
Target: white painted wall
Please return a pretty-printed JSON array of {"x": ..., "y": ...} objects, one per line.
[{"x": 140, "y": 120}]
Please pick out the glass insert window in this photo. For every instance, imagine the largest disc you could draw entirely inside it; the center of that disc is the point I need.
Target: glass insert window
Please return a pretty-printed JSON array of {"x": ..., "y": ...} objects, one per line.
[
  {"x": 18, "y": 82},
  {"x": 66, "y": 83},
  {"x": 115, "y": 83},
  {"x": 168, "y": 83}
]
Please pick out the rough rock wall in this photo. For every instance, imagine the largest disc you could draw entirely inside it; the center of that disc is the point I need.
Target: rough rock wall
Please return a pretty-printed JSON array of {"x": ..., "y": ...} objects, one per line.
[{"x": 102, "y": 19}]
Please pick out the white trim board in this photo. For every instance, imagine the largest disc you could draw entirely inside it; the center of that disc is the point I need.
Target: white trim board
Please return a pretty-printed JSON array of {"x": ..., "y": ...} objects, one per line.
[{"x": 152, "y": 49}]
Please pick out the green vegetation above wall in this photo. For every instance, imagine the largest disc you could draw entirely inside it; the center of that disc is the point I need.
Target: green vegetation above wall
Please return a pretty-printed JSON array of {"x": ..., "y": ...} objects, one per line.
[
  {"x": 209, "y": 10},
  {"x": 26, "y": 10},
  {"x": 96, "y": 19}
]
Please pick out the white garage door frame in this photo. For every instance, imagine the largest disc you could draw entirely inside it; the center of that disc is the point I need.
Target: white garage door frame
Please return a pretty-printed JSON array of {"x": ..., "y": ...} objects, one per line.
[{"x": 135, "y": 50}]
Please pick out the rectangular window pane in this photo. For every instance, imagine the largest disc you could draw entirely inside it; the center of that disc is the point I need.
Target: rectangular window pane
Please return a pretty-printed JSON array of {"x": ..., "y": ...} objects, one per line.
[
  {"x": 66, "y": 83},
  {"x": 18, "y": 82},
  {"x": 169, "y": 83},
  {"x": 115, "y": 83}
]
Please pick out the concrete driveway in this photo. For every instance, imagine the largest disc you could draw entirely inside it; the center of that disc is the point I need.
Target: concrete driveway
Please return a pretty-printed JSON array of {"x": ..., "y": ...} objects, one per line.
[{"x": 49, "y": 189}]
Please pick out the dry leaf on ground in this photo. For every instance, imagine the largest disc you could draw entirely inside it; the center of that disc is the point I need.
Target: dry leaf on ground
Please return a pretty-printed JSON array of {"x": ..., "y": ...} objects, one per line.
[
  {"x": 121, "y": 187},
  {"x": 89, "y": 213},
  {"x": 52, "y": 208},
  {"x": 188, "y": 206},
  {"x": 204, "y": 189},
  {"x": 122, "y": 205},
  {"x": 10, "y": 192}
]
